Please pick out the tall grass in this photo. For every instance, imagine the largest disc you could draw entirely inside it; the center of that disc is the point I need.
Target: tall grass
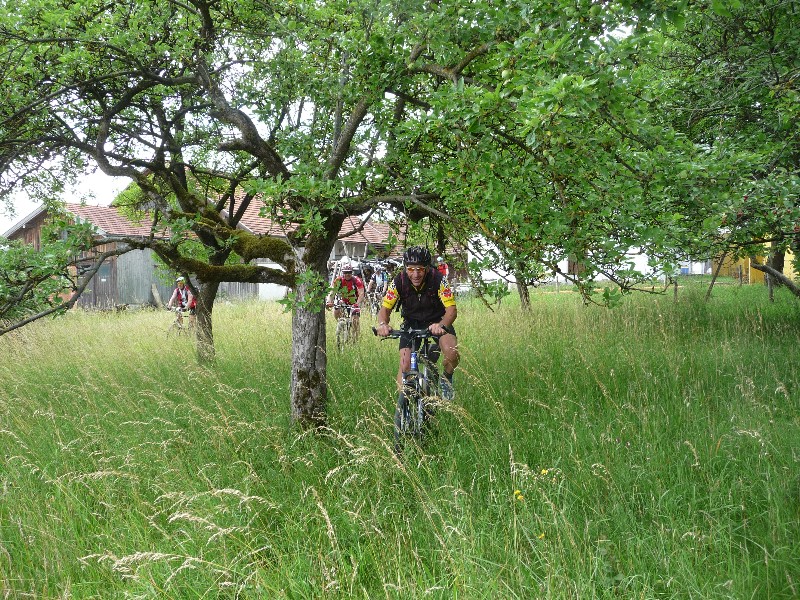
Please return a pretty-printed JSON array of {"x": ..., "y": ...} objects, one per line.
[{"x": 649, "y": 451}]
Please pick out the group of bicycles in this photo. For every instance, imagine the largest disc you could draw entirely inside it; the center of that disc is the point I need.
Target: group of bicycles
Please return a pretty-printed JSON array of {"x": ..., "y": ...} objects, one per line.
[{"x": 421, "y": 384}]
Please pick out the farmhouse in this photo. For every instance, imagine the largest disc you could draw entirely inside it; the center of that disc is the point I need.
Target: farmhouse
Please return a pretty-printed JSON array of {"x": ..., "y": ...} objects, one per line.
[{"x": 139, "y": 278}]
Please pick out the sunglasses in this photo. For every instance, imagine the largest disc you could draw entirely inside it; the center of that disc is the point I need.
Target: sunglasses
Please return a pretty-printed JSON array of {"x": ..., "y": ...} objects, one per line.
[{"x": 416, "y": 269}]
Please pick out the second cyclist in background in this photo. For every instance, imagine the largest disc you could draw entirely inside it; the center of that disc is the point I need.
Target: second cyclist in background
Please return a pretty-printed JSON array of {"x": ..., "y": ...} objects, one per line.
[
  {"x": 350, "y": 289},
  {"x": 426, "y": 301},
  {"x": 442, "y": 267},
  {"x": 379, "y": 282},
  {"x": 183, "y": 299}
]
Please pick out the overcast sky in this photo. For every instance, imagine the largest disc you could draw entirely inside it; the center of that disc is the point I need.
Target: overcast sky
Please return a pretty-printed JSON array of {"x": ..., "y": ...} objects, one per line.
[{"x": 96, "y": 190}]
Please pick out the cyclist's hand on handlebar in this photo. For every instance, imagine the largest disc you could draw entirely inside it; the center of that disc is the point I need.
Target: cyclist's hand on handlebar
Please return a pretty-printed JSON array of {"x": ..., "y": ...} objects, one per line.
[
  {"x": 436, "y": 329},
  {"x": 383, "y": 329}
]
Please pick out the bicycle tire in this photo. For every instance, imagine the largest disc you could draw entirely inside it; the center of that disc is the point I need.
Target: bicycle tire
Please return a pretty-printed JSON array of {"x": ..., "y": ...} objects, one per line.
[
  {"x": 409, "y": 416},
  {"x": 342, "y": 334},
  {"x": 402, "y": 421}
]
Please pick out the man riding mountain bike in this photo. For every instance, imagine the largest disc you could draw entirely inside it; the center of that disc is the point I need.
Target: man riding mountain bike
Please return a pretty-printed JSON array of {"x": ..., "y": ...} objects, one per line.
[
  {"x": 350, "y": 288},
  {"x": 183, "y": 299},
  {"x": 426, "y": 302}
]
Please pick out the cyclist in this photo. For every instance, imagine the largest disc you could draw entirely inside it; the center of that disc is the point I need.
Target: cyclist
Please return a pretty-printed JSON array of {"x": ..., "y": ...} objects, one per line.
[
  {"x": 380, "y": 281},
  {"x": 426, "y": 301},
  {"x": 351, "y": 290},
  {"x": 183, "y": 299},
  {"x": 442, "y": 266}
]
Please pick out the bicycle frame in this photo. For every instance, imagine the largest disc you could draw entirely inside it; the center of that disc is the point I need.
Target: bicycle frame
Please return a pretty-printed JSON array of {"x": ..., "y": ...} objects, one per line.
[
  {"x": 178, "y": 325},
  {"x": 344, "y": 326},
  {"x": 420, "y": 384}
]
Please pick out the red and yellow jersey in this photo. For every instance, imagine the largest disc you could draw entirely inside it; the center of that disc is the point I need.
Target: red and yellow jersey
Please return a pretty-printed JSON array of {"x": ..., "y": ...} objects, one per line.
[{"x": 427, "y": 303}]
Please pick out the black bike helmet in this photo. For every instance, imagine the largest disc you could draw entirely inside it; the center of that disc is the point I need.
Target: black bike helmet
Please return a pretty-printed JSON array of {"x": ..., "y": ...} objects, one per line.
[{"x": 417, "y": 255}]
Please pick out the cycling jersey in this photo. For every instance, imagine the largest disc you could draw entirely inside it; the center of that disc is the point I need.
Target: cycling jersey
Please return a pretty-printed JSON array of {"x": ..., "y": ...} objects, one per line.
[
  {"x": 183, "y": 298},
  {"x": 348, "y": 288},
  {"x": 425, "y": 305}
]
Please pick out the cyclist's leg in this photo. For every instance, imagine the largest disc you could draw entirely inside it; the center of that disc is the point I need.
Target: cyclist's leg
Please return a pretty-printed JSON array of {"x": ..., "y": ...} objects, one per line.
[
  {"x": 356, "y": 325},
  {"x": 405, "y": 359},
  {"x": 449, "y": 346}
]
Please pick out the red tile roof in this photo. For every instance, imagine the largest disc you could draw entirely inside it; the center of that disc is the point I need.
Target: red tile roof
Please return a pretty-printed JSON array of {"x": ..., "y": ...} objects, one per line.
[
  {"x": 372, "y": 233},
  {"x": 111, "y": 222},
  {"x": 108, "y": 220}
]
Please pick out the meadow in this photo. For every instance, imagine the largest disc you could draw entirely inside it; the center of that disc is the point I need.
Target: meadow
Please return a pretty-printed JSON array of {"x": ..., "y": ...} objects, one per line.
[{"x": 647, "y": 451}]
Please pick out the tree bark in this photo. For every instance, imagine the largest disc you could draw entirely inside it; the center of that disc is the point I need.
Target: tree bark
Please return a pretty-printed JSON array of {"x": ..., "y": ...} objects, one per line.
[
  {"x": 777, "y": 276},
  {"x": 309, "y": 392},
  {"x": 207, "y": 293},
  {"x": 777, "y": 260},
  {"x": 524, "y": 295}
]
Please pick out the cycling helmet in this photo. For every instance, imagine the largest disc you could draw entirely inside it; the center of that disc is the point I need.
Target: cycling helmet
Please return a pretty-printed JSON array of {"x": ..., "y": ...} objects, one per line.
[
  {"x": 347, "y": 267},
  {"x": 439, "y": 259},
  {"x": 417, "y": 255},
  {"x": 180, "y": 279}
]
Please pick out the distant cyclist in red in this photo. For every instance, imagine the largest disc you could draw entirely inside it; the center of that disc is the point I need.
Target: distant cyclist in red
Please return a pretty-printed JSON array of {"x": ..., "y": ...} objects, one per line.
[
  {"x": 183, "y": 299},
  {"x": 350, "y": 289},
  {"x": 442, "y": 267}
]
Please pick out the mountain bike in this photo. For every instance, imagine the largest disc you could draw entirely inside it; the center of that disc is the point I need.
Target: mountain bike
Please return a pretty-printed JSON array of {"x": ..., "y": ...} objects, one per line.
[
  {"x": 420, "y": 386},
  {"x": 345, "y": 327},
  {"x": 374, "y": 299},
  {"x": 179, "y": 326}
]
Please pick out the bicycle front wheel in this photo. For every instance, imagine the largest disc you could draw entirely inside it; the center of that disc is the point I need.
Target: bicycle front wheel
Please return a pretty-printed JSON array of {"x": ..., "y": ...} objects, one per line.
[
  {"x": 402, "y": 421},
  {"x": 409, "y": 416},
  {"x": 342, "y": 334}
]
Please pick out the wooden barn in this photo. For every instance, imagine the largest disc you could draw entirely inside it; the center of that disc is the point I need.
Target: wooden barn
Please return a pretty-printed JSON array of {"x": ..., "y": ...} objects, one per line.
[
  {"x": 136, "y": 278},
  {"x": 130, "y": 279}
]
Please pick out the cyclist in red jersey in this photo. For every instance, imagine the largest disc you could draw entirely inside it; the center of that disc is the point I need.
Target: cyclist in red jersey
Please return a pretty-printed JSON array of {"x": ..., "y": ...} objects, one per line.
[
  {"x": 442, "y": 267},
  {"x": 350, "y": 288},
  {"x": 183, "y": 299}
]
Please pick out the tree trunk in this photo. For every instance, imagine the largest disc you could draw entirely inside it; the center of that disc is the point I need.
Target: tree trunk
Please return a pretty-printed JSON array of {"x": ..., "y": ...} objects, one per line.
[
  {"x": 524, "y": 295},
  {"x": 777, "y": 260},
  {"x": 777, "y": 276},
  {"x": 309, "y": 363},
  {"x": 207, "y": 293}
]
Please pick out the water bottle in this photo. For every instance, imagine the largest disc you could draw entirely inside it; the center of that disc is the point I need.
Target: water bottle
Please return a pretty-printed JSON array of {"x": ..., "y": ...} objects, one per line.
[{"x": 413, "y": 361}]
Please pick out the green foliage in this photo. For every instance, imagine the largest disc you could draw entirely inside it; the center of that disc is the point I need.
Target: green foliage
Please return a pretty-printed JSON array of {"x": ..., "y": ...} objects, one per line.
[
  {"x": 313, "y": 290},
  {"x": 34, "y": 280}
]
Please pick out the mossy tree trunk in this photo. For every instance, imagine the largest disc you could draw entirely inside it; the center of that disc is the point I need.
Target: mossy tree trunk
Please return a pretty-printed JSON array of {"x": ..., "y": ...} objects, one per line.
[
  {"x": 309, "y": 391},
  {"x": 524, "y": 294},
  {"x": 309, "y": 368},
  {"x": 207, "y": 293}
]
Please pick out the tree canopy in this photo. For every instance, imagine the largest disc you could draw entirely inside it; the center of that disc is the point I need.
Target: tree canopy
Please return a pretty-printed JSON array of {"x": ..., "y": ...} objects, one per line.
[{"x": 539, "y": 125}]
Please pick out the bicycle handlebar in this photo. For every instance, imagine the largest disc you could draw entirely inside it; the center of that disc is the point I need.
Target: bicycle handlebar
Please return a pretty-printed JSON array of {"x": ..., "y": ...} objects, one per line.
[{"x": 413, "y": 333}]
